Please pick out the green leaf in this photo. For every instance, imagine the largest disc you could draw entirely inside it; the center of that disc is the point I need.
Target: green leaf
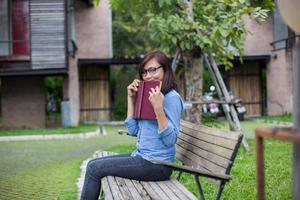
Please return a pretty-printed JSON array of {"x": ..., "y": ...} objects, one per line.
[
  {"x": 174, "y": 40},
  {"x": 141, "y": 25}
]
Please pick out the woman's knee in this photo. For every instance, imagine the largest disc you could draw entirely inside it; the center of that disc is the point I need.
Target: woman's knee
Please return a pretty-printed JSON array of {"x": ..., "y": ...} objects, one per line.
[{"x": 92, "y": 168}]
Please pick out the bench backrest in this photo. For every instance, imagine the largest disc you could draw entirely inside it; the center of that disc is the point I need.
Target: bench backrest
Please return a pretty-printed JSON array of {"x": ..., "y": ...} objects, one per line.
[{"x": 206, "y": 148}]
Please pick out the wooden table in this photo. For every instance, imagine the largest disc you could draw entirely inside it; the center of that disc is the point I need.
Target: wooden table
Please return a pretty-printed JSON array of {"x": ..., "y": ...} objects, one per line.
[{"x": 283, "y": 134}]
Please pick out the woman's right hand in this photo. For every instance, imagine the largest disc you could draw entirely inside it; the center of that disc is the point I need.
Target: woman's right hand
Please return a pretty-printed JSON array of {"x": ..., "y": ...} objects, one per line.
[{"x": 133, "y": 88}]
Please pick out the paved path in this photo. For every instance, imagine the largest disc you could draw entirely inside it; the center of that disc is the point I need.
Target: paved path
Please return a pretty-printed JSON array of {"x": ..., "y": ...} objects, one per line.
[{"x": 99, "y": 131}]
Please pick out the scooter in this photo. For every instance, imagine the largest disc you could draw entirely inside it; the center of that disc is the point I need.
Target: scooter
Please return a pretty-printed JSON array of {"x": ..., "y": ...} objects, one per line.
[
  {"x": 209, "y": 106},
  {"x": 239, "y": 107}
]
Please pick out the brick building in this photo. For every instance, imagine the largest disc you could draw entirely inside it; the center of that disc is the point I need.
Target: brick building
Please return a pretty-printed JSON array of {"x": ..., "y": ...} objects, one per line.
[
  {"x": 263, "y": 81},
  {"x": 40, "y": 38},
  {"x": 73, "y": 39}
]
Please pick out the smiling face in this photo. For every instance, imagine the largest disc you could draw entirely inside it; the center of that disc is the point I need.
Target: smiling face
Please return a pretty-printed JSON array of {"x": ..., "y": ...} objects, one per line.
[
  {"x": 157, "y": 66},
  {"x": 153, "y": 71}
]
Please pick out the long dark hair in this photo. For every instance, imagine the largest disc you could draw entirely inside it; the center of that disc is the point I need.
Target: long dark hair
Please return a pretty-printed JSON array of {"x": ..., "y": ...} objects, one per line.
[{"x": 168, "y": 82}]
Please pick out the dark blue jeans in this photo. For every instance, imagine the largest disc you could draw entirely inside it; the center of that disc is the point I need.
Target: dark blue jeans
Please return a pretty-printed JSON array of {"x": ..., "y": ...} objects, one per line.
[{"x": 124, "y": 165}]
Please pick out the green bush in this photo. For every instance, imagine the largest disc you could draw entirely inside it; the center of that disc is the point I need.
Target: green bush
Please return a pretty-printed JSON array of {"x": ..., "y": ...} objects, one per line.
[{"x": 120, "y": 78}]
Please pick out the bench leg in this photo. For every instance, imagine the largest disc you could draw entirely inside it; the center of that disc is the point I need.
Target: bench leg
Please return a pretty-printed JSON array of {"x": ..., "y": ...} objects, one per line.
[
  {"x": 199, "y": 187},
  {"x": 221, "y": 188},
  {"x": 179, "y": 175}
]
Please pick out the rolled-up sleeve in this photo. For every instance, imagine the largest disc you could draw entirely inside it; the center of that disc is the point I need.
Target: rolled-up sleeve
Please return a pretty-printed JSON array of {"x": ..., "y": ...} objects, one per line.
[
  {"x": 173, "y": 107},
  {"x": 132, "y": 126}
]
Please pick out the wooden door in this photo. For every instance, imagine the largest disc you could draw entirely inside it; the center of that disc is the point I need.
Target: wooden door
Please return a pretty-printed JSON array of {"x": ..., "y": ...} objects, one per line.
[
  {"x": 245, "y": 83},
  {"x": 94, "y": 93}
]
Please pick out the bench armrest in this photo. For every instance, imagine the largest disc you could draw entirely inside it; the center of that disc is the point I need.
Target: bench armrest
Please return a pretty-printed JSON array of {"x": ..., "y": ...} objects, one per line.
[{"x": 191, "y": 170}]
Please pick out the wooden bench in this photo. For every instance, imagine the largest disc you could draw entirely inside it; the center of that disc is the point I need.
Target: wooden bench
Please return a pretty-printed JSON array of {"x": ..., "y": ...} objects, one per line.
[{"x": 202, "y": 151}]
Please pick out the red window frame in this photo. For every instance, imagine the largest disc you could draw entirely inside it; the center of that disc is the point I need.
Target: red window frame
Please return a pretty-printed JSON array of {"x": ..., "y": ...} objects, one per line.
[{"x": 20, "y": 27}]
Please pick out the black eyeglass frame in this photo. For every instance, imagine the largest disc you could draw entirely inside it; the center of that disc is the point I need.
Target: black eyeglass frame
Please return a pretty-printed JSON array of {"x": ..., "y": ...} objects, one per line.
[{"x": 151, "y": 70}]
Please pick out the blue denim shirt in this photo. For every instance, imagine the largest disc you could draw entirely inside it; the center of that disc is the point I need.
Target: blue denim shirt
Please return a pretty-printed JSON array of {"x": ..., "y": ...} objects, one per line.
[{"x": 153, "y": 144}]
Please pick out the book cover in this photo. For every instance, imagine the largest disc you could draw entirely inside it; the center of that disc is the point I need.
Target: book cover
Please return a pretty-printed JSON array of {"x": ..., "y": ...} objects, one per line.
[{"x": 143, "y": 108}]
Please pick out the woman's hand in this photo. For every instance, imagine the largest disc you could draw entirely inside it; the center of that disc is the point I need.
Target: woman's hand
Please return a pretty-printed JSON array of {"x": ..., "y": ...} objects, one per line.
[
  {"x": 133, "y": 88},
  {"x": 131, "y": 96},
  {"x": 156, "y": 98}
]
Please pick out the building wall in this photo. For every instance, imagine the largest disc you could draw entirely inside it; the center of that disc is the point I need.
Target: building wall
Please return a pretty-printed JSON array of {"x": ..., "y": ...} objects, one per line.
[
  {"x": 48, "y": 42},
  {"x": 93, "y": 30},
  {"x": 279, "y": 83},
  {"x": 259, "y": 37},
  {"x": 279, "y": 68},
  {"x": 23, "y": 102},
  {"x": 71, "y": 91}
]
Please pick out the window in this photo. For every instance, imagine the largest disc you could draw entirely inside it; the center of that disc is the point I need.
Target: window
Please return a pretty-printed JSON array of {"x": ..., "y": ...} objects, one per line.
[
  {"x": 284, "y": 37},
  {"x": 14, "y": 31}
]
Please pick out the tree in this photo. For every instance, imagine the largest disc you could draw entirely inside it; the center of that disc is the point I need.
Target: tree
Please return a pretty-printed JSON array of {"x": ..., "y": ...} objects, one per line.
[{"x": 194, "y": 28}]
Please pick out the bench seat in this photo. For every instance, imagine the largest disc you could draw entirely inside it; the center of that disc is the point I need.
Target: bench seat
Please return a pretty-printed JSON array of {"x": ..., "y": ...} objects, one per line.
[
  {"x": 202, "y": 151},
  {"x": 116, "y": 188}
]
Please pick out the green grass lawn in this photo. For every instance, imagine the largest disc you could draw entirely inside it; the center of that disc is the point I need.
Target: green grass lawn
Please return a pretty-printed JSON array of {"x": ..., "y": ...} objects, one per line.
[
  {"x": 46, "y": 131},
  {"x": 285, "y": 118},
  {"x": 49, "y": 169},
  {"x": 248, "y": 127}
]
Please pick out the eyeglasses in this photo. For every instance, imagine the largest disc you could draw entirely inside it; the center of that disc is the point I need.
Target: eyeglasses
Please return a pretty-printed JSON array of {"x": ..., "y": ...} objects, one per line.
[{"x": 151, "y": 70}]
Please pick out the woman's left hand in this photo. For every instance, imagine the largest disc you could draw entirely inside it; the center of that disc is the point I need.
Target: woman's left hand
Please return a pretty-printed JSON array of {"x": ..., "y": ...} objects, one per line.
[{"x": 156, "y": 97}]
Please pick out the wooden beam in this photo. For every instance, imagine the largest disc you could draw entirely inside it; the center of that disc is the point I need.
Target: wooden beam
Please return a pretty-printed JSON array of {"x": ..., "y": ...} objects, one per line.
[
  {"x": 296, "y": 102},
  {"x": 283, "y": 134},
  {"x": 260, "y": 173}
]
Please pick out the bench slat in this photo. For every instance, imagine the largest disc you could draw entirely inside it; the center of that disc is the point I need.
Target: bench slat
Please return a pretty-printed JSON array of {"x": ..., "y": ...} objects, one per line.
[
  {"x": 114, "y": 188},
  {"x": 168, "y": 190},
  {"x": 204, "y": 154},
  {"x": 234, "y": 135},
  {"x": 146, "y": 195},
  {"x": 123, "y": 188},
  {"x": 221, "y": 151},
  {"x": 187, "y": 161},
  {"x": 158, "y": 190},
  {"x": 178, "y": 193},
  {"x": 106, "y": 189},
  {"x": 153, "y": 194},
  {"x": 227, "y": 143},
  {"x": 135, "y": 192},
  {"x": 181, "y": 188},
  {"x": 181, "y": 194},
  {"x": 212, "y": 167}
]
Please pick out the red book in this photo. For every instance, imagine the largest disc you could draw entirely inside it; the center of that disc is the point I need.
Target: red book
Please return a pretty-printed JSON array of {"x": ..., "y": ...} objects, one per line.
[{"x": 143, "y": 108}]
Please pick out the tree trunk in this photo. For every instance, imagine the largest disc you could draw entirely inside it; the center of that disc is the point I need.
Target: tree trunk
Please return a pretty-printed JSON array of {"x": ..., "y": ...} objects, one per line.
[{"x": 194, "y": 83}]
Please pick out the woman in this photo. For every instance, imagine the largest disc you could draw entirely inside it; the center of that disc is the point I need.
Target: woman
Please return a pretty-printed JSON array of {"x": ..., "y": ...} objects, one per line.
[{"x": 155, "y": 138}]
